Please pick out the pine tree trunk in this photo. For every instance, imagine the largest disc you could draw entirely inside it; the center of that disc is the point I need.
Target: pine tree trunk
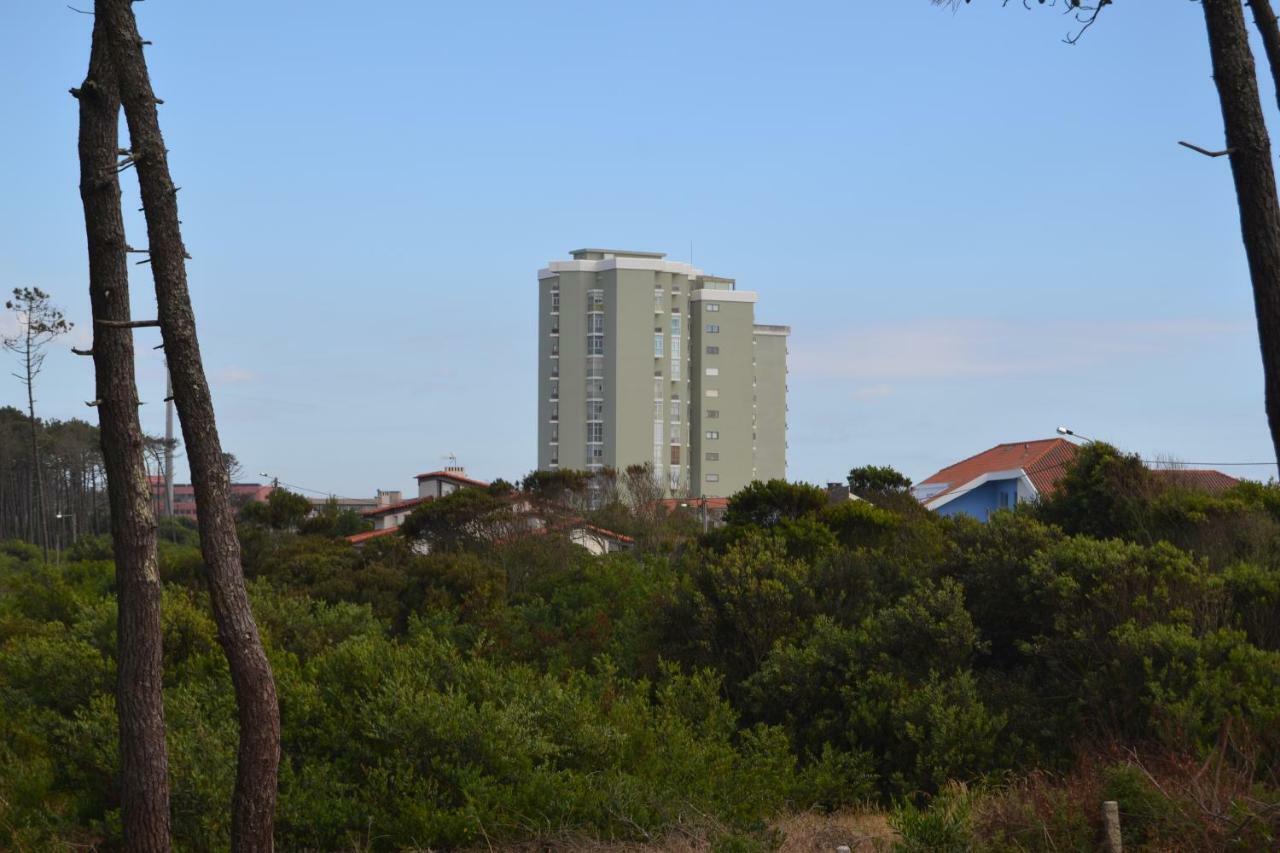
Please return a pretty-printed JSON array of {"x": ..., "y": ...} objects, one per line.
[
  {"x": 1264, "y": 18},
  {"x": 1235, "y": 77},
  {"x": 253, "y": 804},
  {"x": 139, "y": 700},
  {"x": 41, "y": 526}
]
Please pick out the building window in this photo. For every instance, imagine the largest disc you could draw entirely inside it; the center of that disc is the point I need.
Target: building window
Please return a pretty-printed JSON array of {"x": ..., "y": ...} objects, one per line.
[
  {"x": 595, "y": 433},
  {"x": 675, "y": 361},
  {"x": 595, "y": 344},
  {"x": 675, "y": 326},
  {"x": 657, "y": 410},
  {"x": 675, "y": 454},
  {"x": 713, "y": 434},
  {"x": 595, "y": 300},
  {"x": 595, "y": 410},
  {"x": 713, "y": 413},
  {"x": 555, "y": 390},
  {"x": 555, "y": 411},
  {"x": 713, "y": 371},
  {"x": 595, "y": 389},
  {"x": 555, "y": 433},
  {"x": 713, "y": 456},
  {"x": 713, "y": 392},
  {"x": 657, "y": 345},
  {"x": 675, "y": 412},
  {"x": 713, "y": 478},
  {"x": 659, "y": 302},
  {"x": 713, "y": 350},
  {"x": 713, "y": 329},
  {"x": 595, "y": 324},
  {"x": 711, "y": 306},
  {"x": 595, "y": 368}
]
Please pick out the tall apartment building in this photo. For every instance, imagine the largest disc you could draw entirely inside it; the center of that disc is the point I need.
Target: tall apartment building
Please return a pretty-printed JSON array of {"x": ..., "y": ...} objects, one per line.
[{"x": 642, "y": 359}]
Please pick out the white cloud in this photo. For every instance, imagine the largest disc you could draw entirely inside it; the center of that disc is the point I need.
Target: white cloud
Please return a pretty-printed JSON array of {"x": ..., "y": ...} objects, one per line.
[
  {"x": 233, "y": 376},
  {"x": 969, "y": 348}
]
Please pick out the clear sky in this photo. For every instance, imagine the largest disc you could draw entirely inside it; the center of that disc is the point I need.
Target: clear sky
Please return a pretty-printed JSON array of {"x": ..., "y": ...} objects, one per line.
[{"x": 975, "y": 231}]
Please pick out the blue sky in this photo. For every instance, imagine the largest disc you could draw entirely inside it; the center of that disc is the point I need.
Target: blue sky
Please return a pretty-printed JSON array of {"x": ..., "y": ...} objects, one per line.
[{"x": 975, "y": 231}]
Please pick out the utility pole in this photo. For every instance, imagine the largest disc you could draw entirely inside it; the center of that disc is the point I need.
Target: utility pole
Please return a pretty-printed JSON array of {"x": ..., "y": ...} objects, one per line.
[{"x": 168, "y": 441}]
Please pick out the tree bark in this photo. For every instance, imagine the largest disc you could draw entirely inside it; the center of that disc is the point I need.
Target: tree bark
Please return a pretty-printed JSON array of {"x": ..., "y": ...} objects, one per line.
[
  {"x": 139, "y": 698},
  {"x": 1264, "y": 18},
  {"x": 253, "y": 803},
  {"x": 41, "y": 527},
  {"x": 1235, "y": 77}
]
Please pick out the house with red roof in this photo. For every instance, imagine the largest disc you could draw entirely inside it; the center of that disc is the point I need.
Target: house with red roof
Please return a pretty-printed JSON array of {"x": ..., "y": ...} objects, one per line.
[
  {"x": 1022, "y": 471},
  {"x": 392, "y": 510},
  {"x": 999, "y": 478}
]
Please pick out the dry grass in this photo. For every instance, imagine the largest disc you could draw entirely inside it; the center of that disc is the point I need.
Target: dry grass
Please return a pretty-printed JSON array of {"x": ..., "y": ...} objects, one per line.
[{"x": 861, "y": 831}]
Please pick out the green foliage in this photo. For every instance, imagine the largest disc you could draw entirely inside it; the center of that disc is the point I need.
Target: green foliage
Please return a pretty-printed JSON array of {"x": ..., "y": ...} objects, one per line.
[
  {"x": 465, "y": 519},
  {"x": 767, "y": 504},
  {"x": 331, "y": 520},
  {"x": 1101, "y": 493},
  {"x": 867, "y": 480},
  {"x": 946, "y": 826},
  {"x": 812, "y": 656},
  {"x": 282, "y": 510}
]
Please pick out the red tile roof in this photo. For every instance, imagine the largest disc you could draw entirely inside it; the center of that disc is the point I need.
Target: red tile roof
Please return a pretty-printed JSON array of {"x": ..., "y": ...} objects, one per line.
[
  {"x": 457, "y": 478},
  {"x": 395, "y": 507},
  {"x": 1043, "y": 461},
  {"x": 371, "y": 534},
  {"x": 608, "y": 534},
  {"x": 1199, "y": 479}
]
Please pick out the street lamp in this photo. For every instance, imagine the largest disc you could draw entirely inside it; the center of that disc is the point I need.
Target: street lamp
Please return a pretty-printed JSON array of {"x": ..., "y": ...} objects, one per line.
[
  {"x": 1065, "y": 431},
  {"x": 59, "y": 516}
]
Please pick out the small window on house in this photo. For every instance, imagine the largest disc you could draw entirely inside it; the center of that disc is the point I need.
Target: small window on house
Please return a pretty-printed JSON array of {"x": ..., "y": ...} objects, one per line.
[
  {"x": 713, "y": 350},
  {"x": 713, "y": 328},
  {"x": 713, "y": 434},
  {"x": 713, "y": 478},
  {"x": 713, "y": 413},
  {"x": 711, "y": 306},
  {"x": 713, "y": 392},
  {"x": 713, "y": 456},
  {"x": 713, "y": 371}
]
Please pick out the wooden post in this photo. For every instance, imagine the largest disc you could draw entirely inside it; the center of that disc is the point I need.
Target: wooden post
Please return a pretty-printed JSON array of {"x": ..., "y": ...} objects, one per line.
[{"x": 1111, "y": 825}]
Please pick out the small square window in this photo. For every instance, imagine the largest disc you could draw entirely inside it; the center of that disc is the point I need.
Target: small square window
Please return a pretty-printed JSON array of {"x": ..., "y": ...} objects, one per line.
[
  {"x": 713, "y": 328},
  {"x": 713, "y": 392},
  {"x": 713, "y": 478},
  {"x": 713, "y": 371},
  {"x": 713, "y": 413},
  {"x": 713, "y": 434},
  {"x": 713, "y": 350},
  {"x": 713, "y": 456},
  {"x": 711, "y": 306}
]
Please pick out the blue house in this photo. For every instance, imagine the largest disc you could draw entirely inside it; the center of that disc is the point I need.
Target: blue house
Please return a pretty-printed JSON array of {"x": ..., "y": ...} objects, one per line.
[{"x": 999, "y": 478}]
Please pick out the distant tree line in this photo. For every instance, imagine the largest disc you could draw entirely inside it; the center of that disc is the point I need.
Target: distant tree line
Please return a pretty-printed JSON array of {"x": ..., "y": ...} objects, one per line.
[{"x": 71, "y": 481}]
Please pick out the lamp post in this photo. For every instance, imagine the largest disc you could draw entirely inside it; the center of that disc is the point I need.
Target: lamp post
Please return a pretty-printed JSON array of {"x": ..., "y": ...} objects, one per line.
[
  {"x": 59, "y": 516},
  {"x": 1065, "y": 431}
]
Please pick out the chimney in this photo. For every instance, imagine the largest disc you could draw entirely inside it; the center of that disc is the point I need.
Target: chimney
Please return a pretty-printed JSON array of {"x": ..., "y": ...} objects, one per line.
[{"x": 386, "y": 498}]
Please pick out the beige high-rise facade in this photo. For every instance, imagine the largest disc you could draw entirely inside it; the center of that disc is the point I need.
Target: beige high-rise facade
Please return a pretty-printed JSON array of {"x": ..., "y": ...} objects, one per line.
[{"x": 643, "y": 359}]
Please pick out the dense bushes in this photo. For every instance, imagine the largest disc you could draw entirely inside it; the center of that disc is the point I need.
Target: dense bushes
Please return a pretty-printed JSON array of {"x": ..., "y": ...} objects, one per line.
[{"x": 805, "y": 656}]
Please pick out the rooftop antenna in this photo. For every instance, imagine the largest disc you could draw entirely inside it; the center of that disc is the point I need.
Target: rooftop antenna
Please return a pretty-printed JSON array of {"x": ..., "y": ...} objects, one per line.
[{"x": 451, "y": 459}]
